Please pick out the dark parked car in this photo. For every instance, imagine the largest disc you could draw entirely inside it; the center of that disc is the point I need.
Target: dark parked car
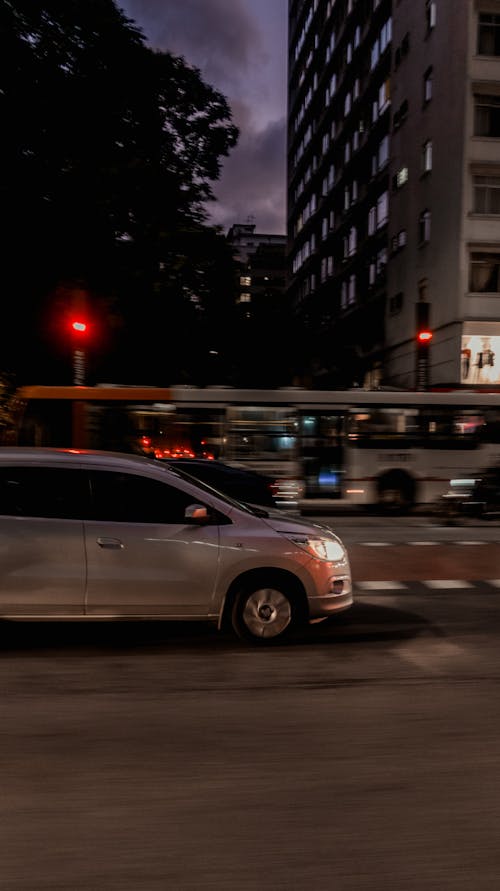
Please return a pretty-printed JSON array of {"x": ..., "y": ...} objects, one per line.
[
  {"x": 474, "y": 497},
  {"x": 239, "y": 483}
]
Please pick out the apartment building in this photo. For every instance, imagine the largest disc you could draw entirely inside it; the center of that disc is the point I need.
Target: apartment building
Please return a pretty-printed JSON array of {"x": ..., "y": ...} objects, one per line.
[{"x": 394, "y": 186}]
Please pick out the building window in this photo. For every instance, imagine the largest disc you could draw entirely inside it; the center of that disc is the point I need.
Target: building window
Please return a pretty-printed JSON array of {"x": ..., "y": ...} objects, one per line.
[
  {"x": 428, "y": 85},
  {"x": 351, "y": 293},
  {"x": 400, "y": 178},
  {"x": 352, "y": 242},
  {"x": 398, "y": 241},
  {"x": 382, "y": 209},
  {"x": 372, "y": 217},
  {"x": 383, "y": 153},
  {"x": 245, "y": 281},
  {"x": 484, "y": 273},
  {"x": 488, "y": 35},
  {"x": 427, "y": 156},
  {"x": 396, "y": 303},
  {"x": 487, "y": 194},
  {"x": 245, "y": 297},
  {"x": 400, "y": 115},
  {"x": 424, "y": 227},
  {"x": 430, "y": 14},
  {"x": 487, "y": 116}
]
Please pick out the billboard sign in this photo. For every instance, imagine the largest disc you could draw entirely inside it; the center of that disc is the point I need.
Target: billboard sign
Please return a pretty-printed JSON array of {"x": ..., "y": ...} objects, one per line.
[{"x": 480, "y": 359}]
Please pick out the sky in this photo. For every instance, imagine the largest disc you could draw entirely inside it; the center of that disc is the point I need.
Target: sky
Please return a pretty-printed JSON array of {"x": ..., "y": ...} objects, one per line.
[{"x": 240, "y": 48}]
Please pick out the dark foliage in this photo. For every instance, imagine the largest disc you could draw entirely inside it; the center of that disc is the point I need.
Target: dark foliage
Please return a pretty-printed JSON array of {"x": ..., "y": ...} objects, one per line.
[{"x": 107, "y": 156}]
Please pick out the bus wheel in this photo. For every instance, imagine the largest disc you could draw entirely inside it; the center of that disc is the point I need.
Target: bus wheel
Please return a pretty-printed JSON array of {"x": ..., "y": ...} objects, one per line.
[
  {"x": 264, "y": 615},
  {"x": 396, "y": 492}
]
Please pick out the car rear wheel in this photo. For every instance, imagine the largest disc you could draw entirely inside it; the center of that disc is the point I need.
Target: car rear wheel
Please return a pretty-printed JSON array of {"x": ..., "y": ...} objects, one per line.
[{"x": 264, "y": 615}]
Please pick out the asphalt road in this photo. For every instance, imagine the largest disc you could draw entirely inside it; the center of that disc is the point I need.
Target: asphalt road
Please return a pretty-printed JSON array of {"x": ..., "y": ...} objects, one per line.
[{"x": 363, "y": 755}]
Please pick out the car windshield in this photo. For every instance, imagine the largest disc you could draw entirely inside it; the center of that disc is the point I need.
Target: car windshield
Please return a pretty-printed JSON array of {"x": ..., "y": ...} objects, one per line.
[{"x": 212, "y": 490}]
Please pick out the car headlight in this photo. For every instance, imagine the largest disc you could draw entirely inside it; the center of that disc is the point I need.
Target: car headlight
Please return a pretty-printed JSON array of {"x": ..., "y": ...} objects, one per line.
[{"x": 323, "y": 548}]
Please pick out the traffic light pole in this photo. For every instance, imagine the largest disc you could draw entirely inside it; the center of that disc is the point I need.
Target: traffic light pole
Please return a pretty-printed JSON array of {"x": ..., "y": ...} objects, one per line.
[
  {"x": 424, "y": 338},
  {"x": 423, "y": 371},
  {"x": 78, "y": 368}
]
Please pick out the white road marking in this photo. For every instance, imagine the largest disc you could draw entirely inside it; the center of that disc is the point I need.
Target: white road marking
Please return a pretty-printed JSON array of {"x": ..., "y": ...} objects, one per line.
[
  {"x": 416, "y": 543},
  {"x": 447, "y": 583},
  {"x": 376, "y": 544},
  {"x": 382, "y": 586},
  {"x": 470, "y": 542}
]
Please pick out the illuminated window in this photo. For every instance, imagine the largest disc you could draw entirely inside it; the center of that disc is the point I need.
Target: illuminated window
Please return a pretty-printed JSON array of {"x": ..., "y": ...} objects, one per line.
[
  {"x": 401, "y": 177},
  {"x": 245, "y": 281},
  {"x": 245, "y": 297}
]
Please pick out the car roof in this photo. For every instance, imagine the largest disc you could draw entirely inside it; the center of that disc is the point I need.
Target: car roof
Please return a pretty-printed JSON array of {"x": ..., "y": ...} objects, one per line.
[{"x": 43, "y": 453}]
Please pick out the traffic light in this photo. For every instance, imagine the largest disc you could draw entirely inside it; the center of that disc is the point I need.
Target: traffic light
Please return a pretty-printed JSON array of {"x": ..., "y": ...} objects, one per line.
[
  {"x": 79, "y": 326},
  {"x": 424, "y": 338}
]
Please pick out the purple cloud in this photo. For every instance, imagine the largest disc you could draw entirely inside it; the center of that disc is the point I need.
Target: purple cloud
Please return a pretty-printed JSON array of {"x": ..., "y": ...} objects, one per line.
[{"x": 240, "y": 49}]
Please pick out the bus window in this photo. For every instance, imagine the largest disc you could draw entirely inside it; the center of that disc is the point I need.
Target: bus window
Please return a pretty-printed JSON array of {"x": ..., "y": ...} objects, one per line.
[
  {"x": 385, "y": 428},
  {"x": 321, "y": 436}
]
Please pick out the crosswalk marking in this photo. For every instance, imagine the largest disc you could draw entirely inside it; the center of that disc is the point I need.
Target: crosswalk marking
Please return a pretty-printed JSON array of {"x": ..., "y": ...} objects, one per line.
[
  {"x": 458, "y": 542},
  {"x": 425, "y": 543},
  {"x": 383, "y": 586},
  {"x": 413, "y": 586},
  {"x": 471, "y": 542},
  {"x": 447, "y": 583},
  {"x": 377, "y": 544}
]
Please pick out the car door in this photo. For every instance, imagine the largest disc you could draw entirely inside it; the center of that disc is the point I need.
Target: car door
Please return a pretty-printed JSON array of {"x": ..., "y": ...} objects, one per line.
[
  {"x": 42, "y": 555},
  {"x": 143, "y": 558}
]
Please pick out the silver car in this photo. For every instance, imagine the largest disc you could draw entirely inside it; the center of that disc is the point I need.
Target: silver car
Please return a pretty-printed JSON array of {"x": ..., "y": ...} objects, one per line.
[{"x": 90, "y": 535}]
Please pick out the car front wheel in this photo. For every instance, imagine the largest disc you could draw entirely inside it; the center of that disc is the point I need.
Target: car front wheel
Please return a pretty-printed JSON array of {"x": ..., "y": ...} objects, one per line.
[{"x": 264, "y": 615}]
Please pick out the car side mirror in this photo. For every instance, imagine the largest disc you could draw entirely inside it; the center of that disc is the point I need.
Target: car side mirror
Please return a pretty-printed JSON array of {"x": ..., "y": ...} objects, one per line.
[{"x": 196, "y": 513}]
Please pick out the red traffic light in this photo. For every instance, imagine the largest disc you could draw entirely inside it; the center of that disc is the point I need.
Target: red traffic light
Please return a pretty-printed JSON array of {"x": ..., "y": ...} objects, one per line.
[
  {"x": 424, "y": 336},
  {"x": 79, "y": 327}
]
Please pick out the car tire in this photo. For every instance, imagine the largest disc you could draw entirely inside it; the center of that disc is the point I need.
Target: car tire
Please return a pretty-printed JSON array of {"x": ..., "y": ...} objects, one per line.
[{"x": 263, "y": 614}]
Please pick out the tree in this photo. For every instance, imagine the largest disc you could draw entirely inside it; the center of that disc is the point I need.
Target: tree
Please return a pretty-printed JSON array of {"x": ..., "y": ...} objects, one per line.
[{"x": 108, "y": 150}]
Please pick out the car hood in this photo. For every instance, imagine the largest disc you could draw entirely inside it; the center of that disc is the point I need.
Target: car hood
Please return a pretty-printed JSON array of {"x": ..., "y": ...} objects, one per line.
[{"x": 283, "y": 523}]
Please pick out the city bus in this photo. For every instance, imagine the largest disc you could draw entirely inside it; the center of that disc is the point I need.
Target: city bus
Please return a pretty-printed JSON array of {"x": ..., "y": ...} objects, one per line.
[{"x": 365, "y": 447}]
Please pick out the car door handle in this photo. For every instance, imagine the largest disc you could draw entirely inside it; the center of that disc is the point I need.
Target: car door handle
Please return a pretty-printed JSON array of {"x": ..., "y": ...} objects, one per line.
[{"x": 113, "y": 543}]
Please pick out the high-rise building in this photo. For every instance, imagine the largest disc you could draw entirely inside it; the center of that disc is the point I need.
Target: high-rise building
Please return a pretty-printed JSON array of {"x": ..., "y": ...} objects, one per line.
[{"x": 394, "y": 188}]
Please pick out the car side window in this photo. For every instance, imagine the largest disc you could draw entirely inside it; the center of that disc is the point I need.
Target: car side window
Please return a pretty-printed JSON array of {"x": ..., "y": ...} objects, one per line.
[
  {"x": 51, "y": 492},
  {"x": 131, "y": 498}
]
